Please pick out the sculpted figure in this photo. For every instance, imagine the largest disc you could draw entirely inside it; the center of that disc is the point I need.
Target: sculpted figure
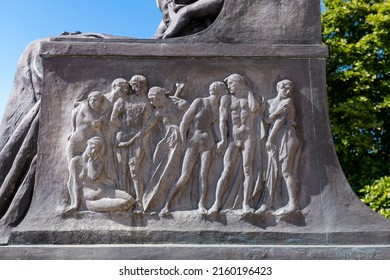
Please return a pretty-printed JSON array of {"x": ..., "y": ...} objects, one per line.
[
  {"x": 179, "y": 15},
  {"x": 167, "y": 114},
  {"x": 282, "y": 147},
  {"x": 238, "y": 113},
  {"x": 89, "y": 119},
  {"x": 203, "y": 116},
  {"x": 130, "y": 114},
  {"x": 119, "y": 89},
  {"x": 89, "y": 185}
]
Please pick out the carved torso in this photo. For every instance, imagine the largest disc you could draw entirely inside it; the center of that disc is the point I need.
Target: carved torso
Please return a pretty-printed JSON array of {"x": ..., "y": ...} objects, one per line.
[{"x": 242, "y": 118}]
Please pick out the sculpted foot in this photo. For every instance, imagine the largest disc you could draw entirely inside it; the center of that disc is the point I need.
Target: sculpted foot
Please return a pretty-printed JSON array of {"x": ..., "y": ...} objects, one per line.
[
  {"x": 138, "y": 207},
  {"x": 263, "y": 209},
  {"x": 164, "y": 212},
  {"x": 202, "y": 210},
  {"x": 213, "y": 210},
  {"x": 247, "y": 209},
  {"x": 286, "y": 210},
  {"x": 71, "y": 209}
]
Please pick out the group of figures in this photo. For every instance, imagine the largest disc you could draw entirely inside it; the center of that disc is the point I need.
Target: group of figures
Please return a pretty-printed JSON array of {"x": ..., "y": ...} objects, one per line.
[{"x": 137, "y": 148}]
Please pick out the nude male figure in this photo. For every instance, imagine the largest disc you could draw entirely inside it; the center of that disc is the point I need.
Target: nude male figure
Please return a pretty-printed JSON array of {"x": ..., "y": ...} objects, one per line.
[
  {"x": 130, "y": 114},
  {"x": 238, "y": 113},
  {"x": 203, "y": 115}
]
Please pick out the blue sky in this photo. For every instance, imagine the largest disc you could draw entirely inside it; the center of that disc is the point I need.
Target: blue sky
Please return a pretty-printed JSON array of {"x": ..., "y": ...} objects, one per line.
[{"x": 22, "y": 21}]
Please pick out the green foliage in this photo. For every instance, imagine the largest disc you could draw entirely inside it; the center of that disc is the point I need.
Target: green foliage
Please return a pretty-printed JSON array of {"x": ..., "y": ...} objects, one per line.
[
  {"x": 377, "y": 196},
  {"x": 358, "y": 80}
]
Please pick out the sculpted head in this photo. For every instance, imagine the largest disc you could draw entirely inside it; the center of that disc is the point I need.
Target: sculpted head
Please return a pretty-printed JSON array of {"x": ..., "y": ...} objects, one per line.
[
  {"x": 156, "y": 96},
  {"x": 95, "y": 100},
  {"x": 139, "y": 84},
  {"x": 95, "y": 148},
  {"x": 235, "y": 83},
  {"x": 120, "y": 86},
  {"x": 285, "y": 88},
  {"x": 218, "y": 89}
]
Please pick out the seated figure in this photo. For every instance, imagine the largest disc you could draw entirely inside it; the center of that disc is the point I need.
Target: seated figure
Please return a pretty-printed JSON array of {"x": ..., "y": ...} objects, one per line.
[
  {"x": 89, "y": 185},
  {"x": 184, "y": 17}
]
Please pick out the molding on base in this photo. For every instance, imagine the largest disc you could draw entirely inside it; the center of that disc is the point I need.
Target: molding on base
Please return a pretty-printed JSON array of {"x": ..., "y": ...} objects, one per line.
[{"x": 194, "y": 252}]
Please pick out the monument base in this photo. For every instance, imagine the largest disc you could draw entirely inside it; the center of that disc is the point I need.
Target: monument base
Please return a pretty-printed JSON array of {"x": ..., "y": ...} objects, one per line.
[
  {"x": 330, "y": 223},
  {"x": 192, "y": 252},
  {"x": 211, "y": 146}
]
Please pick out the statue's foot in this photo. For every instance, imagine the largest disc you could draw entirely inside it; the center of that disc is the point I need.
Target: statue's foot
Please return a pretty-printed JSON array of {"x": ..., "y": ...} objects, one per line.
[
  {"x": 138, "y": 209},
  {"x": 213, "y": 210},
  {"x": 167, "y": 35},
  {"x": 164, "y": 212},
  {"x": 263, "y": 209},
  {"x": 286, "y": 210},
  {"x": 202, "y": 210},
  {"x": 158, "y": 36},
  {"x": 71, "y": 209},
  {"x": 246, "y": 209}
]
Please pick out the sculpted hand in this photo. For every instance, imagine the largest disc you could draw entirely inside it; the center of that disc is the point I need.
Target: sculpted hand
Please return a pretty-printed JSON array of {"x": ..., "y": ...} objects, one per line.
[
  {"x": 118, "y": 107},
  {"x": 279, "y": 111},
  {"x": 270, "y": 147},
  {"x": 180, "y": 89},
  {"x": 221, "y": 147},
  {"x": 130, "y": 142},
  {"x": 83, "y": 174},
  {"x": 172, "y": 138},
  {"x": 124, "y": 144},
  {"x": 180, "y": 85}
]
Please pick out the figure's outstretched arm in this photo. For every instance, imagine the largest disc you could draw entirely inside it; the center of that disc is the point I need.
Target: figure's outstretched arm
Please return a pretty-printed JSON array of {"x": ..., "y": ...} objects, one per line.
[{"x": 196, "y": 10}]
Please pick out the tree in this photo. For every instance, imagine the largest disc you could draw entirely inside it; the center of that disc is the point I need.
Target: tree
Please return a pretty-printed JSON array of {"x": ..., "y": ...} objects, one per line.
[
  {"x": 377, "y": 196},
  {"x": 358, "y": 80}
]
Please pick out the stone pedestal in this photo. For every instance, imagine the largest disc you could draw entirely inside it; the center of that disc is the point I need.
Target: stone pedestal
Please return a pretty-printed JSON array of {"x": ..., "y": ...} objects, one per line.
[
  {"x": 195, "y": 252},
  {"x": 263, "y": 41}
]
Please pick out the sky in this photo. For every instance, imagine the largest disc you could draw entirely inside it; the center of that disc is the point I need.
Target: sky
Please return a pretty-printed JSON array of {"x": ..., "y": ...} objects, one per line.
[{"x": 23, "y": 21}]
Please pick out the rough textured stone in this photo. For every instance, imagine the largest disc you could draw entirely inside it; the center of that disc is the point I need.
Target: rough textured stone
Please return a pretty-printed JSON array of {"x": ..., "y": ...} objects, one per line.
[
  {"x": 194, "y": 252},
  {"x": 328, "y": 205},
  {"x": 260, "y": 67}
]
